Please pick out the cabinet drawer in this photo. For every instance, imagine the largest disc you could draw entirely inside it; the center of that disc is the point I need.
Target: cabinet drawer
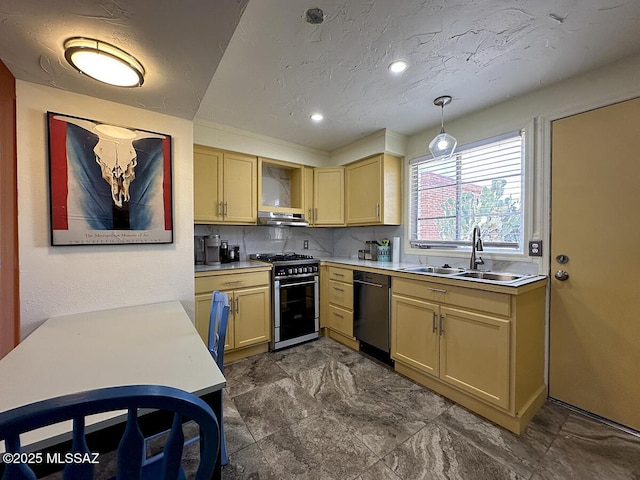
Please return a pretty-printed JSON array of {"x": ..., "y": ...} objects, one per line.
[
  {"x": 341, "y": 320},
  {"x": 231, "y": 281},
  {"x": 341, "y": 294},
  {"x": 480, "y": 300},
  {"x": 341, "y": 274}
]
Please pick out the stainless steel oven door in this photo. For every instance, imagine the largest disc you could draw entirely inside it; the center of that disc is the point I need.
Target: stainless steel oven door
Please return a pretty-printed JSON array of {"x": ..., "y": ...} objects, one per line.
[{"x": 296, "y": 311}]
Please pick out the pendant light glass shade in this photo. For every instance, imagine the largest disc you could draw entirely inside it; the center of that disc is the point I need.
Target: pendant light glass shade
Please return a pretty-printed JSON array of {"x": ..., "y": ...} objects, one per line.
[
  {"x": 103, "y": 62},
  {"x": 443, "y": 145}
]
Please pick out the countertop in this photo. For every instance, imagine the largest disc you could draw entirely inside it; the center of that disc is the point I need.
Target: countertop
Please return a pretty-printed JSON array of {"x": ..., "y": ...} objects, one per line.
[
  {"x": 397, "y": 268},
  {"x": 528, "y": 280},
  {"x": 233, "y": 266}
]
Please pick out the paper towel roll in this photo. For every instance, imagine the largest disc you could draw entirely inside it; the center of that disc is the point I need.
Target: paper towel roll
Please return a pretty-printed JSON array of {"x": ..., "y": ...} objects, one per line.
[{"x": 395, "y": 250}]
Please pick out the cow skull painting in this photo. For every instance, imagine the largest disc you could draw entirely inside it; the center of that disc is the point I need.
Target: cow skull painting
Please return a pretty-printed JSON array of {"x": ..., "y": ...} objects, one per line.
[
  {"x": 107, "y": 177},
  {"x": 115, "y": 155}
]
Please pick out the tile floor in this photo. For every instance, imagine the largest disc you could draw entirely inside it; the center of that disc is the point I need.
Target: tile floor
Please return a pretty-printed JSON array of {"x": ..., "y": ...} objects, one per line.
[{"x": 323, "y": 411}]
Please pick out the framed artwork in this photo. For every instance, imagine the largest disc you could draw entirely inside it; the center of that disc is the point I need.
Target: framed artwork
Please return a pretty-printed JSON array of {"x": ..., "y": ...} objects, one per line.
[{"x": 108, "y": 184}]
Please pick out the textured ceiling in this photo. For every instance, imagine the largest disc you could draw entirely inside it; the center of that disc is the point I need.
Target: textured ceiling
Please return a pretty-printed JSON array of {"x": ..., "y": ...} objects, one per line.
[
  {"x": 277, "y": 69},
  {"x": 180, "y": 44}
]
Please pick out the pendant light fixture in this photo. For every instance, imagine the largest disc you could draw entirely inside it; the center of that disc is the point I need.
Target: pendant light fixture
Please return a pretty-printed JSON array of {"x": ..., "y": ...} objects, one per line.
[
  {"x": 103, "y": 62},
  {"x": 443, "y": 144}
]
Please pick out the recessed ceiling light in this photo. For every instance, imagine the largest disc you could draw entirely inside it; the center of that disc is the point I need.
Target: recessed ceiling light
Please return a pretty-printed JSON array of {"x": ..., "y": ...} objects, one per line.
[
  {"x": 103, "y": 62},
  {"x": 317, "y": 117},
  {"x": 398, "y": 67}
]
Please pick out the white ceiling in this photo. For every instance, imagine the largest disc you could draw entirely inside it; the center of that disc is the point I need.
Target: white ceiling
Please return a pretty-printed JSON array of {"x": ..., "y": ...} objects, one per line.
[{"x": 278, "y": 69}]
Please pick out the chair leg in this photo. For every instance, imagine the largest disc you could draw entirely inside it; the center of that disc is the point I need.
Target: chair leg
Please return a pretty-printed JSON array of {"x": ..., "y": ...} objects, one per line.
[{"x": 223, "y": 446}]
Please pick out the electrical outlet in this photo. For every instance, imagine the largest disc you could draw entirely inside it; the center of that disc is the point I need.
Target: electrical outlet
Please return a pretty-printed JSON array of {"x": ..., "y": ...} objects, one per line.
[
  {"x": 305, "y": 245},
  {"x": 535, "y": 248}
]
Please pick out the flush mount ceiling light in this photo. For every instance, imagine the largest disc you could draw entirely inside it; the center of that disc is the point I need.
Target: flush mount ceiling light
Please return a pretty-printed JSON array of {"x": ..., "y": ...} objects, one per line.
[
  {"x": 317, "y": 117},
  {"x": 443, "y": 144},
  {"x": 103, "y": 62},
  {"x": 398, "y": 67}
]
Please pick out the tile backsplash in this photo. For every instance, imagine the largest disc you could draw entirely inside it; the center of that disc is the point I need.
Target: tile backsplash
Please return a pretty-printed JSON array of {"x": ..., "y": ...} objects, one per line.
[{"x": 336, "y": 242}]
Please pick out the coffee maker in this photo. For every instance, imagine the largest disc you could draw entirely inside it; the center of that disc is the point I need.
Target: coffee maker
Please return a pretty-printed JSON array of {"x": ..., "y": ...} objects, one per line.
[{"x": 212, "y": 250}]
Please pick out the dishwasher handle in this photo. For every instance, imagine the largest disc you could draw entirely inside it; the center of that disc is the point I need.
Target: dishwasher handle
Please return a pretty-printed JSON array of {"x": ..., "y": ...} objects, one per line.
[{"x": 369, "y": 283}]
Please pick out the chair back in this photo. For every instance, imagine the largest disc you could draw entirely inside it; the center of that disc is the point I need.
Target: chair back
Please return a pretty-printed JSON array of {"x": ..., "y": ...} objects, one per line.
[
  {"x": 131, "y": 454},
  {"x": 218, "y": 320}
]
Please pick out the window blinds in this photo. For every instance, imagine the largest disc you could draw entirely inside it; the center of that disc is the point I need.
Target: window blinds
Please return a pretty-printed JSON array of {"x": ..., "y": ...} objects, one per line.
[{"x": 481, "y": 184}]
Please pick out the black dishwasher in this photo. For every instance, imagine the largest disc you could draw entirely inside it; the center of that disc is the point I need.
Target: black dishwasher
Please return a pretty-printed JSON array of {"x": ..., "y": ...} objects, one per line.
[{"x": 371, "y": 313}]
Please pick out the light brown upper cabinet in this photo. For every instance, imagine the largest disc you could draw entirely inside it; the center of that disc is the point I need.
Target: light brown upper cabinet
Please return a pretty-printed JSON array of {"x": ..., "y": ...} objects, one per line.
[
  {"x": 280, "y": 186},
  {"x": 373, "y": 191},
  {"x": 328, "y": 196},
  {"x": 308, "y": 195},
  {"x": 225, "y": 186}
]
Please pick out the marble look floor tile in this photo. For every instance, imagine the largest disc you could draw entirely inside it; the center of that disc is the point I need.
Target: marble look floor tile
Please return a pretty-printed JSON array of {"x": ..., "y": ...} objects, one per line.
[
  {"x": 249, "y": 373},
  {"x": 379, "y": 471},
  {"x": 522, "y": 453},
  {"x": 587, "y": 449},
  {"x": 248, "y": 464},
  {"x": 421, "y": 402},
  {"x": 368, "y": 370},
  {"x": 236, "y": 432},
  {"x": 300, "y": 358},
  {"x": 318, "y": 447},
  {"x": 336, "y": 350},
  {"x": 436, "y": 452},
  {"x": 274, "y": 406},
  {"x": 376, "y": 419},
  {"x": 329, "y": 382}
]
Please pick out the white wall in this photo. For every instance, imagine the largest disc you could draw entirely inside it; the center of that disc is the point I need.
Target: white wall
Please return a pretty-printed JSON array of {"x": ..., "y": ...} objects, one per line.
[
  {"x": 229, "y": 138},
  {"x": 64, "y": 280}
]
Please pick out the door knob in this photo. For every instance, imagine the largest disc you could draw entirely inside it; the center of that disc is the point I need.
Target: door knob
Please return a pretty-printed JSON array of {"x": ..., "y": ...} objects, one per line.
[{"x": 562, "y": 275}]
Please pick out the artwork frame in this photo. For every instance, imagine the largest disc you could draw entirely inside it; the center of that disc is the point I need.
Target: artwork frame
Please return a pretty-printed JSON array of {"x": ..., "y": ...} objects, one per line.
[{"x": 108, "y": 184}]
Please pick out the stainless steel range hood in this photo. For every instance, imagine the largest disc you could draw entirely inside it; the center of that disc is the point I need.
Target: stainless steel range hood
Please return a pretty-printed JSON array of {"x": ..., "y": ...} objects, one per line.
[{"x": 281, "y": 219}]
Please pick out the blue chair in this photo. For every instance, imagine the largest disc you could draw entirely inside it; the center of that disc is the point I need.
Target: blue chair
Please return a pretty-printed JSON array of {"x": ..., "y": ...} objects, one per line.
[
  {"x": 218, "y": 321},
  {"x": 131, "y": 454}
]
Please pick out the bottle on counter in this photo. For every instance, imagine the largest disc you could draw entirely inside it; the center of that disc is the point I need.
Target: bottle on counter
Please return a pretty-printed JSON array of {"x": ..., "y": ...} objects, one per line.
[{"x": 224, "y": 251}]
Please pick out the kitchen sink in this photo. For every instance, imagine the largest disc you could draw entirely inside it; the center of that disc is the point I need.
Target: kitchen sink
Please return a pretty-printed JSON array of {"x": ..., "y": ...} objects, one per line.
[
  {"x": 438, "y": 270},
  {"x": 495, "y": 276}
]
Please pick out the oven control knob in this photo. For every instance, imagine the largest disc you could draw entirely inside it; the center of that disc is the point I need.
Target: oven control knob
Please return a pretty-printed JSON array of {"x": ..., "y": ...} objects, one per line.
[
  {"x": 295, "y": 269},
  {"x": 304, "y": 269},
  {"x": 289, "y": 271},
  {"x": 315, "y": 269}
]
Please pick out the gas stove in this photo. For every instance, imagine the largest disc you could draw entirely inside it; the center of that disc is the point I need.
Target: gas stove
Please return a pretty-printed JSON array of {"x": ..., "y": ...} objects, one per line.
[
  {"x": 288, "y": 264},
  {"x": 296, "y": 306},
  {"x": 282, "y": 257}
]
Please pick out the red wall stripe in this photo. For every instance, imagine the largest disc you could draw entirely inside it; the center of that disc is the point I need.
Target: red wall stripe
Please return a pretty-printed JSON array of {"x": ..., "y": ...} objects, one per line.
[
  {"x": 58, "y": 165},
  {"x": 166, "y": 184}
]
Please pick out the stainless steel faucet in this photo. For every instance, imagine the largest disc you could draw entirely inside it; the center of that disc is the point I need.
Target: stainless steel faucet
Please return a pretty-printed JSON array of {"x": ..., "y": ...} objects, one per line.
[{"x": 476, "y": 246}]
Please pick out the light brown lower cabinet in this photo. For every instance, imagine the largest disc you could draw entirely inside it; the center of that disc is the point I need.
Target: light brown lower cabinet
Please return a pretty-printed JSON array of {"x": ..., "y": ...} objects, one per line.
[
  {"x": 249, "y": 310},
  {"x": 484, "y": 350}
]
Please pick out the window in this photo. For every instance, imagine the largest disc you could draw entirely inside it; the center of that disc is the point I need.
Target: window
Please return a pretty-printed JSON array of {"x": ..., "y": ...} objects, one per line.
[{"x": 481, "y": 184}]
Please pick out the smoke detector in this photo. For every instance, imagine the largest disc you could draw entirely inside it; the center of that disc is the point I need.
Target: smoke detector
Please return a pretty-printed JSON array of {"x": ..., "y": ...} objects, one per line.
[{"x": 314, "y": 16}]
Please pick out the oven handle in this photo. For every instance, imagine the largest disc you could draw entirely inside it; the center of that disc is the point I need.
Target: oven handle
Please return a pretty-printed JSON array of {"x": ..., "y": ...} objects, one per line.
[{"x": 285, "y": 285}]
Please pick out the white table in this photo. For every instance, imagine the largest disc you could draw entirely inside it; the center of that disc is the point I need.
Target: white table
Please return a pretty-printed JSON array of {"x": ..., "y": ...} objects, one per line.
[{"x": 147, "y": 344}]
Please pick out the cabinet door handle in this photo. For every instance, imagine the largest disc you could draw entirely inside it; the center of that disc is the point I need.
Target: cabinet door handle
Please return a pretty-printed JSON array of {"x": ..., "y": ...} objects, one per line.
[
  {"x": 226, "y": 209},
  {"x": 316, "y": 217},
  {"x": 231, "y": 305},
  {"x": 437, "y": 290},
  {"x": 338, "y": 315},
  {"x": 338, "y": 289},
  {"x": 433, "y": 323},
  {"x": 378, "y": 211},
  {"x": 237, "y": 305},
  {"x": 441, "y": 324},
  {"x": 338, "y": 274},
  {"x": 233, "y": 282},
  {"x": 220, "y": 210},
  {"x": 310, "y": 215}
]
